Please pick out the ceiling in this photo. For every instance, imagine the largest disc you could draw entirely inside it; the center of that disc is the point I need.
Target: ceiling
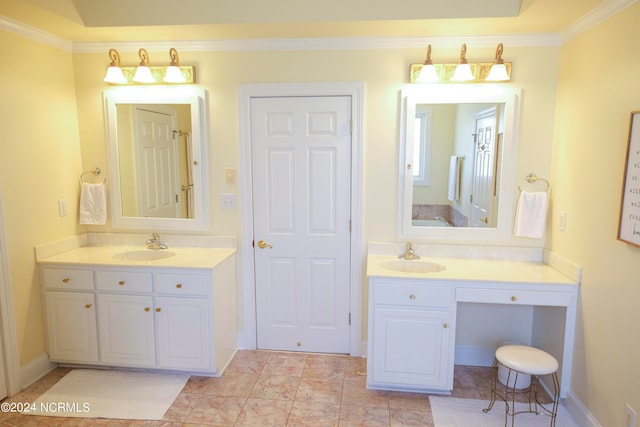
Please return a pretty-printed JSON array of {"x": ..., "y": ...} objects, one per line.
[{"x": 127, "y": 20}]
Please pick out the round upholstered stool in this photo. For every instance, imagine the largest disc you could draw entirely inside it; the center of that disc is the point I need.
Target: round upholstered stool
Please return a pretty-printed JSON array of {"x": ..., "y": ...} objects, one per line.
[{"x": 518, "y": 360}]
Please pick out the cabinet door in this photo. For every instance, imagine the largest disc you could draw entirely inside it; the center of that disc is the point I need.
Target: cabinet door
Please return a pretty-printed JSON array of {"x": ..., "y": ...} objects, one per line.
[
  {"x": 71, "y": 324},
  {"x": 411, "y": 348},
  {"x": 183, "y": 333},
  {"x": 125, "y": 325}
]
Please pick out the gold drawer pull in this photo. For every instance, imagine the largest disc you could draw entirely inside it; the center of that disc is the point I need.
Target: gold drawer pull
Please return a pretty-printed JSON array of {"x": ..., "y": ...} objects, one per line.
[
  {"x": 121, "y": 283},
  {"x": 446, "y": 326},
  {"x": 158, "y": 310},
  {"x": 66, "y": 280},
  {"x": 147, "y": 309},
  {"x": 412, "y": 296},
  {"x": 514, "y": 298},
  {"x": 87, "y": 306},
  {"x": 179, "y": 285}
]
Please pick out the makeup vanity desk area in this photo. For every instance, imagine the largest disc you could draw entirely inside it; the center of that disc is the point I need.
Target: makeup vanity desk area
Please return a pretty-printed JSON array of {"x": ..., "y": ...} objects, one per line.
[{"x": 412, "y": 315}]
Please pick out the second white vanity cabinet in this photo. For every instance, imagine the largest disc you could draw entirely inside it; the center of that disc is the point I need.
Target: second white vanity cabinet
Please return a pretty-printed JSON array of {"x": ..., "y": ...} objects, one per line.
[
  {"x": 141, "y": 317},
  {"x": 410, "y": 341}
]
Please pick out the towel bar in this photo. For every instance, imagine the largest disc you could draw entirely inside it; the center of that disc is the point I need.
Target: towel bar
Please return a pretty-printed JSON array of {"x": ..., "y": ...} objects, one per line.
[
  {"x": 532, "y": 178},
  {"x": 95, "y": 171}
]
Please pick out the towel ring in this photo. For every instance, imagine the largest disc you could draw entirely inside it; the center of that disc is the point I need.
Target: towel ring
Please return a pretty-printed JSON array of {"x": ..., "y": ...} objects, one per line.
[
  {"x": 95, "y": 172},
  {"x": 532, "y": 178}
]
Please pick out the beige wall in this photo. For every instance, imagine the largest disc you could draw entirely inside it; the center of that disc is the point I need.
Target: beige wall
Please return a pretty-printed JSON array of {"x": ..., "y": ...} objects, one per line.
[
  {"x": 384, "y": 72},
  {"x": 39, "y": 164},
  {"x": 599, "y": 87}
]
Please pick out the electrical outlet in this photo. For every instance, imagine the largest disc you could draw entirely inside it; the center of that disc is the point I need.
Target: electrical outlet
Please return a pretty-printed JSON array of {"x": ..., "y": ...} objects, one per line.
[
  {"x": 228, "y": 200},
  {"x": 563, "y": 221},
  {"x": 629, "y": 416},
  {"x": 62, "y": 207}
]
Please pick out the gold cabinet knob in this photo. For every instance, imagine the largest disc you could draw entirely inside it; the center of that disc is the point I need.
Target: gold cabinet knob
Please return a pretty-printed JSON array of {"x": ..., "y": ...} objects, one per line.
[
  {"x": 66, "y": 280},
  {"x": 446, "y": 326},
  {"x": 147, "y": 309},
  {"x": 179, "y": 285},
  {"x": 87, "y": 305},
  {"x": 299, "y": 343},
  {"x": 514, "y": 298},
  {"x": 121, "y": 283},
  {"x": 485, "y": 220},
  {"x": 412, "y": 296},
  {"x": 262, "y": 244},
  {"x": 158, "y": 310}
]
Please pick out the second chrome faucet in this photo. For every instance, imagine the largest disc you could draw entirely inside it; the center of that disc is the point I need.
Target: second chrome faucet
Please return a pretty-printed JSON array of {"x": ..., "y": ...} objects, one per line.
[{"x": 409, "y": 253}]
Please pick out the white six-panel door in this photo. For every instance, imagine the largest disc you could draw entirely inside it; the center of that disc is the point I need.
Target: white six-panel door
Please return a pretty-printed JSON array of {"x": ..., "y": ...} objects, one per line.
[
  {"x": 484, "y": 168},
  {"x": 157, "y": 163},
  {"x": 301, "y": 199}
]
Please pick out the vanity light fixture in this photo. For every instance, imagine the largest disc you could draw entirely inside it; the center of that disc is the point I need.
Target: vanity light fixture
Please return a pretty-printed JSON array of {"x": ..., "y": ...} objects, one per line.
[
  {"x": 463, "y": 71},
  {"x": 114, "y": 72},
  {"x": 428, "y": 73},
  {"x": 146, "y": 74},
  {"x": 498, "y": 72},
  {"x": 143, "y": 72},
  {"x": 173, "y": 73}
]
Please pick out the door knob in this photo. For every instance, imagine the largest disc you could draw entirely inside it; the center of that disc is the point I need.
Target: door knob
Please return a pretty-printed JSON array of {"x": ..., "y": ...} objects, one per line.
[{"x": 262, "y": 244}]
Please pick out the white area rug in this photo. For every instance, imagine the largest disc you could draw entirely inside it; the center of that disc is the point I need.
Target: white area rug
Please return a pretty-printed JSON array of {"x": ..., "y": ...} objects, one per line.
[
  {"x": 91, "y": 393},
  {"x": 453, "y": 412}
]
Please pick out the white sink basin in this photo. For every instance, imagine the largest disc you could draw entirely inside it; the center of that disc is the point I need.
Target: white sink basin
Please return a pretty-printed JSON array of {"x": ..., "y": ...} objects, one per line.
[
  {"x": 143, "y": 255},
  {"x": 412, "y": 266}
]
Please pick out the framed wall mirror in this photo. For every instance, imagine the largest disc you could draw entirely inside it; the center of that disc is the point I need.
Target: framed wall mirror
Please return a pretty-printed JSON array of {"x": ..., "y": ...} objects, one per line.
[
  {"x": 156, "y": 140},
  {"x": 457, "y": 162}
]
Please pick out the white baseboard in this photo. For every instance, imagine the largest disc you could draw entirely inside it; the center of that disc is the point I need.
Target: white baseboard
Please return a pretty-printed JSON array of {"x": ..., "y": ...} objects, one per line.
[
  {"x": 36, "y": 369},
  {"x": 579, "y": 412},
  {"x": 474, "y": 355}
]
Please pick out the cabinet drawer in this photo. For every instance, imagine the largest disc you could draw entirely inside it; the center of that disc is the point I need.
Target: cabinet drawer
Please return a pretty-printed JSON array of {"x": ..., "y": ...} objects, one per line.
[
  {"x": 68, "y": 279},
  {"x": 181, "y": 284},
  {"x": 513, "y": 296},
  {"x": 413, "y": 295},
  {"x": 123, "y": 281}
]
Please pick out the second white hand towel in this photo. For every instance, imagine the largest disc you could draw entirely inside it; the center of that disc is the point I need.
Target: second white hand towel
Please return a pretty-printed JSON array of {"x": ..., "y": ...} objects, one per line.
[{"x": 531, "y": 214}]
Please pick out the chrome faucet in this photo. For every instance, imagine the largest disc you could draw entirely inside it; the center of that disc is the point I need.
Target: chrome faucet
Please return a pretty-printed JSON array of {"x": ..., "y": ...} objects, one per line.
[
  {"x": 155, "y": 243},
  {"x": 409, "y": 253}
]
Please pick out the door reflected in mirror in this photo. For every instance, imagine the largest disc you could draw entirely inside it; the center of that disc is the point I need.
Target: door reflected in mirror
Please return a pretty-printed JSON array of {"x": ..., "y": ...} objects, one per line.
[
  {"x": 155, "y": 160},
  {"x": 156, "y": 139},
  {"x": 457, "y": 161}
]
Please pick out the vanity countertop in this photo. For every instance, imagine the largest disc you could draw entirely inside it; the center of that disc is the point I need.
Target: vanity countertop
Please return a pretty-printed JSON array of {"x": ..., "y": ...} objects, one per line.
[
  {"x": 472, "y": 270},
  {"x": 111, "y": 256}
]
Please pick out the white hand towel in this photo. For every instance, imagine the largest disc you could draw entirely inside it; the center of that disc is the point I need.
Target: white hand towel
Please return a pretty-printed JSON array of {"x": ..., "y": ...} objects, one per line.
[
  {"x": 454, "y": 178},
  {"x": 531, "y": 214},
  {"x": 93, "y": 204}
]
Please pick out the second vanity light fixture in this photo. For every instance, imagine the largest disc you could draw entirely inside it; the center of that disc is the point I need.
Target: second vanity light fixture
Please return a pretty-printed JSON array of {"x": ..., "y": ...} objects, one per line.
[
  {"x": 463, "y": 71},
  {"x": 144, "y": 73}
]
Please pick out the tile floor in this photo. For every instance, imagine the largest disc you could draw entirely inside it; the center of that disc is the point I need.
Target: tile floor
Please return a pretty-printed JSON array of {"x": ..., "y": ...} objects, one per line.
[{"x": 279, "y": 389}]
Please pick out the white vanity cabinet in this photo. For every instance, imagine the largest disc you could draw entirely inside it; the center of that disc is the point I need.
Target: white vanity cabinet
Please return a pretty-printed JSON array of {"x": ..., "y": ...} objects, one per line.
[
  {"x": 71, "y": 315},
  {"x": 411, "y": 335},
  {"x": 142, "y": 317}
]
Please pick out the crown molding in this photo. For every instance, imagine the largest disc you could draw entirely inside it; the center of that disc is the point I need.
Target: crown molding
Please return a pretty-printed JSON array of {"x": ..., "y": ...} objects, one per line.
[
  {"x": 26, "y": 31},
  {"x": 595, "y": 17},
  {"x": 306, "y": 44}
]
